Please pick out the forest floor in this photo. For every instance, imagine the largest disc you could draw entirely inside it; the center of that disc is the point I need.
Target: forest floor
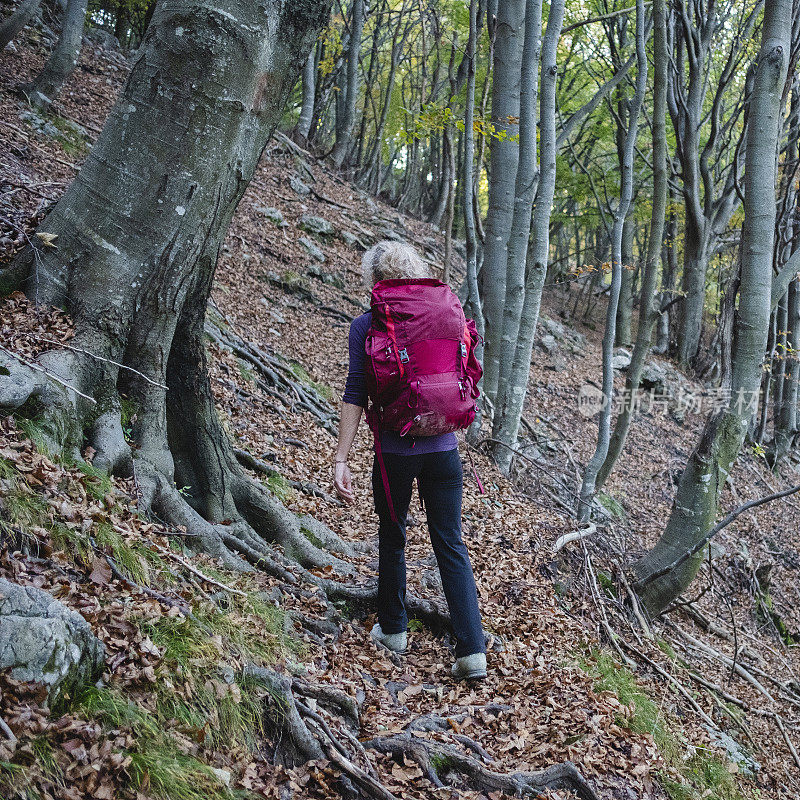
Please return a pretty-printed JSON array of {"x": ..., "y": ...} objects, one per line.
[{"x": 705, "y": 702}]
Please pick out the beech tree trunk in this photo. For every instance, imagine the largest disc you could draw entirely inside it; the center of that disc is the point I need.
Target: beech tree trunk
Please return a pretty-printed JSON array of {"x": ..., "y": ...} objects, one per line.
[
  {"x": 344, "y": 127},
  {"x": 647, "y": 314},
  {"x": 589, "y": 485},
  {"x": 138, "y": 234},
  {"x": 625, "y": 308},
  {"x": 668, "y": 569},
  {"x": 524, "y": 193},
  {"x": 14, "y": 23},
  {"x": 44, "y": 88},
  {"x": 509, "y": 37},
  {"x": 307, "y": 109}
]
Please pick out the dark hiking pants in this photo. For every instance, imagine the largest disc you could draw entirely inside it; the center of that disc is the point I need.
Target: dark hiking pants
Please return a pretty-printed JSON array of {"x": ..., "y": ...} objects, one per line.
[{"x": 441, "y": 486}]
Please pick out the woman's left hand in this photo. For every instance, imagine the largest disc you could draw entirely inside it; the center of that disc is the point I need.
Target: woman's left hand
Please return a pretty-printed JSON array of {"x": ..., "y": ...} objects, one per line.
[{"x": 343, "y": 481}]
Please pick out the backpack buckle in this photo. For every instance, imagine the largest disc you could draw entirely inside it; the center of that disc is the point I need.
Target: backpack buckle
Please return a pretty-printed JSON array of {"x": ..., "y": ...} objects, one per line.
[
  {"x": 404, "y": 355},
  {"x": 463, "y": 350}
]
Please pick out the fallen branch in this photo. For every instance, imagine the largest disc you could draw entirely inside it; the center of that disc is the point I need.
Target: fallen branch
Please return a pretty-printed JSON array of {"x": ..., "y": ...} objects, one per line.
[
  {"x": 573, "y": 536},
  {"x": 693, "y": 551},
  {"x": 779, "y": 723},
  {"x": 6, "y": 731}
]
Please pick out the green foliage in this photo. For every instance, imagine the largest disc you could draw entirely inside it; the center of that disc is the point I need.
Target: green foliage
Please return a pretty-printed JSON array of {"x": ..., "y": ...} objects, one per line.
[
  {"x": 33, "y": 430},
  {"x": 157, "y": 763}
]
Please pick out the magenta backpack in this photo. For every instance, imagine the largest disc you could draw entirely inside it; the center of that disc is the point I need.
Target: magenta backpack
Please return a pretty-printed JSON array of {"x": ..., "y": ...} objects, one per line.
[
  {"x": 421, "y": 368},
  {"x": 422, "y": 373}
]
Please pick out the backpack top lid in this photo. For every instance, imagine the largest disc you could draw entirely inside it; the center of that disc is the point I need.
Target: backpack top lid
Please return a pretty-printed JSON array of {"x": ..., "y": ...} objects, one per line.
[{"x": 427, "y": 301}]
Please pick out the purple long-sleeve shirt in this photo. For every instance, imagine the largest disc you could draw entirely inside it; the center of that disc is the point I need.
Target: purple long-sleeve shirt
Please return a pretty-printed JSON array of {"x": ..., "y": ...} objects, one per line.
[{"x": 355, "y": 392}]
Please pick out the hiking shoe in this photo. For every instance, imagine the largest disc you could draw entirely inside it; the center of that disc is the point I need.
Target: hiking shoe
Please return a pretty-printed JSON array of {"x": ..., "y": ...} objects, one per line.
[
  {"x": 470, "y": 667},
  {"x": 393, "y": 641}
]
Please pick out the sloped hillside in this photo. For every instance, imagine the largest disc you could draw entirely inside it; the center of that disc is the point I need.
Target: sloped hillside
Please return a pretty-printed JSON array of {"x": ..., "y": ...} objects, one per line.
[{"x": 190, "y": 701}]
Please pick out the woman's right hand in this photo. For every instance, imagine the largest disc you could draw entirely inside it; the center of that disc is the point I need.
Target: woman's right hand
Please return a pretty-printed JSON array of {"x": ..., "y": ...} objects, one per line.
[{"x": 343, "y": 481}]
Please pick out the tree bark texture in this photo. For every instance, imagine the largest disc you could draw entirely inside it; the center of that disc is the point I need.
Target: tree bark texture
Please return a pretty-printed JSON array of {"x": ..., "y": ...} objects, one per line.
[
  {"x": 44, "y": 88},
  {"x": 524, "y": 193},
  {"x": 16, "y": 21},
  {"x": 695, "y": 506},
  {"x": 344, "y": 128},
  {"x": 504, "y": 154},
  {"x": 139, "y": 231},
  {"x": 309, "y": 89}
]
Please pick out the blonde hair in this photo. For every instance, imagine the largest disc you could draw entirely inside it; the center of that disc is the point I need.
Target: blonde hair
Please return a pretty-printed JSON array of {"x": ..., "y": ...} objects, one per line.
[{"x": 389, "y": 259}]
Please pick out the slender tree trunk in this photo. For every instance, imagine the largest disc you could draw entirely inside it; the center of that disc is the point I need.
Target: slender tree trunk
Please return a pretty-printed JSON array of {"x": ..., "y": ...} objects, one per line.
[
  {"x": 695, "y": 268},
  {"x": 176, "y": 154},
  {"x": 451, "y": 202},
  {"x": 44, "y": 88},
  {"x": 524, "y": 193},
  {"x": 538, "y": 256},
  {"x": 697, "y": 496},
  {"x": 625, "y": 309},
  {"x": 786, "y": 414},
  {"x": 309, "y": 91},
  {"x": 14, "y": 23},
  {"x": 509, "y": 37},
  {"x": 344, "y": 130},
  {"x": 589, "y": 486},
  {"x": 647, "y": 314},
  {"x": 669, "y": 271}
]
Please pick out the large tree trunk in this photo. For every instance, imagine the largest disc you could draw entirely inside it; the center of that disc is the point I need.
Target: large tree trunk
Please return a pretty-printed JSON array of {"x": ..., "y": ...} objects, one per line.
[
  {"x": 344, "y": 126},
  {"x": 670, "y": 566},
  {"x": 139, "y": 232},
  {"x": 588, "y": 487},
  {"x": 509, "y": 37},
  {"x": 44, "y": 88},
  {"x": 15, "y": 22},
  {"x": 538, "y": 255}
]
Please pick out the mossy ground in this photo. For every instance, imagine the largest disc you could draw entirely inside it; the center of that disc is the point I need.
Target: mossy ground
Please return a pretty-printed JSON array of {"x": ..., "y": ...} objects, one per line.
[{"x": 693, "y": 772}]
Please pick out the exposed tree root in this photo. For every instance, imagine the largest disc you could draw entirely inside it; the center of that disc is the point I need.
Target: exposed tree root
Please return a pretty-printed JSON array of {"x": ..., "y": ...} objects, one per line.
[
  {"x": 330, "y": 731},
  {"x": 439, "y": 760}
]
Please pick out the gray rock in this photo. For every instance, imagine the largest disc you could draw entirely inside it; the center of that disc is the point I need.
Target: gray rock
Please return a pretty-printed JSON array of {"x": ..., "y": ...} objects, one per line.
[
  {"x": 558, "y": 363},
  {"x": 43, "y": 641},
  {"x": 653, "y": 377},
  {"x": 352, "y": 241},
  {"x": 311, "y": 248},
  {"x": 273, "y": 215},
  {"x": 621, "y": 358},
  {"x": 39, "y": 123},
  {"x": 734, "y": 751},
  {"x": 17, "y": 380},
  {"x": 102, "y": 37},
  {"x": 316, "y": 225},
  {"x": 298, "y": 186},
  {"x": 574, "y": 340},
  {"x": 548, "y": 343}
]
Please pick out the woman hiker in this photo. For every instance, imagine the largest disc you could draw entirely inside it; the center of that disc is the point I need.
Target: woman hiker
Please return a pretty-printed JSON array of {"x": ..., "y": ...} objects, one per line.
[{"x": 414, "y": 303}]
